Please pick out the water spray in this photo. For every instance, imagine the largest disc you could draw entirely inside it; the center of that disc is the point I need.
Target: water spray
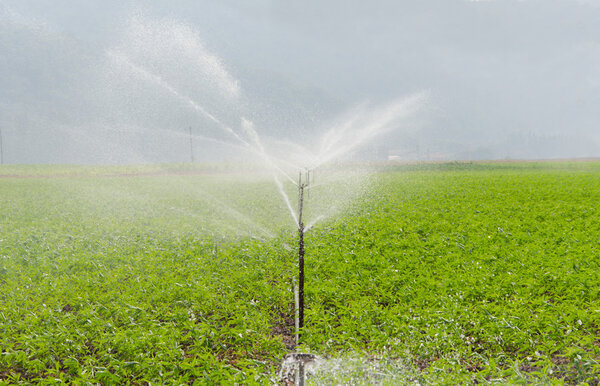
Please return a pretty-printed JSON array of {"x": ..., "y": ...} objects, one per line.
[{"x": 342, "y": 138}]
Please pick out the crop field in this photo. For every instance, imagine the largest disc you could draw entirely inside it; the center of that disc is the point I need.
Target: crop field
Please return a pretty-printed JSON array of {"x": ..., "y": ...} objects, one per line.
[{"x": 437, "y": 273}]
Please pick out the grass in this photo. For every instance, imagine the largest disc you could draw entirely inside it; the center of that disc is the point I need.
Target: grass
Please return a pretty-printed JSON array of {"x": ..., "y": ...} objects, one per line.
[{"x": 440, "y": 274}]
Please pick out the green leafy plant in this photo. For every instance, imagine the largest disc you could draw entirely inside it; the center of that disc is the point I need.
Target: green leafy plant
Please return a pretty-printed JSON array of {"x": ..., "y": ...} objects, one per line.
[{"x": 441, "y": 273}]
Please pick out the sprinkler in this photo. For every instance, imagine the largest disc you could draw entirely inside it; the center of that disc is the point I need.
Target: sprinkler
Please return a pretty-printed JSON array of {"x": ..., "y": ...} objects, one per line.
[
  {"x": 295, "y": 363},
  {"x": 303, "y": 185}
]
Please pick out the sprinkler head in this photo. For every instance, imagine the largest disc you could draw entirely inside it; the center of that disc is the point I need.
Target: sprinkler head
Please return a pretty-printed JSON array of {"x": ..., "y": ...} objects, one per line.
[{"x": 299, "y": 357}]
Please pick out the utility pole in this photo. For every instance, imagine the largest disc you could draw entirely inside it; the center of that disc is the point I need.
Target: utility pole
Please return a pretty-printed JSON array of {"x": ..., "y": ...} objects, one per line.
[
  {"x": 1, "y": 149},
  {"x": 191, "y": 146}
]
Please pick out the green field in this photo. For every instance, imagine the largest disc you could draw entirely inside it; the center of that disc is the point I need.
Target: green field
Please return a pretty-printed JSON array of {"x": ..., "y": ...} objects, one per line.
[{"x": 438, "y": 273}]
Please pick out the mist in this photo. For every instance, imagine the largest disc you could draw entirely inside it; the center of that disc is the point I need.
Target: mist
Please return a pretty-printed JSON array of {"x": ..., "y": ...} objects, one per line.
[{"x": 126, "y": 82}]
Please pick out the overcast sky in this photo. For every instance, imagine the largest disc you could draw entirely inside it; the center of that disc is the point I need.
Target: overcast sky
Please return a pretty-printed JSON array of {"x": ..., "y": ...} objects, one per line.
[{"x": 116, "y": 81}]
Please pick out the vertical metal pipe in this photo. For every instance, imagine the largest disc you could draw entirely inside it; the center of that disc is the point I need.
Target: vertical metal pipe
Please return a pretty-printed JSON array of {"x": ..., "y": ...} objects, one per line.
[
  {"x": 301, "y": 258},
  {"x": 301, "y": 277},
  {"x": 296, "y": 310},
  {"x": 301, "y": 186},
  {"x": 303, "y": 181},
  {"x": 301, "y": 373}
]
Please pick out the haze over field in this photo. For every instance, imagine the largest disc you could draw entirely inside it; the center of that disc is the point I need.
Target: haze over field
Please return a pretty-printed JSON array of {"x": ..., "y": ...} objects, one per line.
[{"x": 116, "y": 82}]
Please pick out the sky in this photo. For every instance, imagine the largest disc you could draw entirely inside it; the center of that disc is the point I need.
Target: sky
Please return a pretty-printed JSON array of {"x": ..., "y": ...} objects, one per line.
[{"x": 127, "y": 81}]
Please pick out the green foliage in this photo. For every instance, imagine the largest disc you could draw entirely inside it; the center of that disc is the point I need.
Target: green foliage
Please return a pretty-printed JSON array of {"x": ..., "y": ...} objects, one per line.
[{"x": 446, "y": 274}]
